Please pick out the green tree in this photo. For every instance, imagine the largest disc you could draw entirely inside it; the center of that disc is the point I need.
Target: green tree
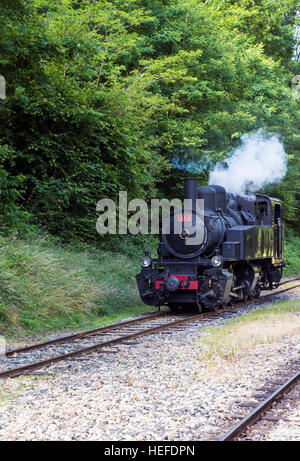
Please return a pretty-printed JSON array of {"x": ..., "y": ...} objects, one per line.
[{"x": 106, "y": 96}]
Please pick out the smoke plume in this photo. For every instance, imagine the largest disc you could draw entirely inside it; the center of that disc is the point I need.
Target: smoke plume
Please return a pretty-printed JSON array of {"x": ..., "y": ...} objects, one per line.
[
  {"x": 260, "y": 160},
  {"x": 192, "y": 166}
]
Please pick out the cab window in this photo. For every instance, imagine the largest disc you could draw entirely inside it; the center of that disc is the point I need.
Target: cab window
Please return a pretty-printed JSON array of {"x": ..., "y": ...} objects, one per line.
[{"x": 261, "y": 209}]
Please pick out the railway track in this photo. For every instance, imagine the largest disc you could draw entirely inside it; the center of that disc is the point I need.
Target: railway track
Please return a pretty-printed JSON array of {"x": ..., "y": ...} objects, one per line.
[
  {"x": 262, "y": 408},
  {"x": 104, "y": 339}
]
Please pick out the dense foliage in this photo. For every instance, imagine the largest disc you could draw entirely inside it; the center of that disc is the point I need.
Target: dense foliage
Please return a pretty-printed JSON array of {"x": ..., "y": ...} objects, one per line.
[{"x": 103, "y": 96}]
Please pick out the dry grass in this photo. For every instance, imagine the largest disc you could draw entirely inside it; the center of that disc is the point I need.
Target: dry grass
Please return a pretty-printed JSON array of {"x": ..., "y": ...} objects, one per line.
[{"x": 235, "y": 339}]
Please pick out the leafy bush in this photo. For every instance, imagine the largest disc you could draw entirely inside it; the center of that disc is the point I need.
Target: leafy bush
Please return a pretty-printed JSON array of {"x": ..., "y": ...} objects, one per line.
[{"x": 292, "y": 254}]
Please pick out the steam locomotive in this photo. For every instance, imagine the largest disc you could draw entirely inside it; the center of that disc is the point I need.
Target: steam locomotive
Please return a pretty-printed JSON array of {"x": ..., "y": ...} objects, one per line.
[{"x": 239, "y": 254}]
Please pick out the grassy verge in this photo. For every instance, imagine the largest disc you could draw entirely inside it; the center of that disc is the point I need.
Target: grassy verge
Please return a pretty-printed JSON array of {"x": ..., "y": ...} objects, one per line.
[
  {"x": 292, "y": 255},
  {"x": 237, "y": 337},
  {"x": 45, "y": 286}
]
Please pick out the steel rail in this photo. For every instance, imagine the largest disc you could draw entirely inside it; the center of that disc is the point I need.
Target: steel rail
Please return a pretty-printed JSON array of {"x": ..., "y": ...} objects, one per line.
[
  {"x": 256, "y": 414},
  {"x": 83, "y": 334},
  {"x": 115, "y": 326},
  {"x": 36, "y": 365},
  {"x": 290, "y": 279}
]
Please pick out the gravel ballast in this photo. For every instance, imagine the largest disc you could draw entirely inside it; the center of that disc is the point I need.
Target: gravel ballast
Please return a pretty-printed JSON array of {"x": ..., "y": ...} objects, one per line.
[{"x": 157, "y": 389}]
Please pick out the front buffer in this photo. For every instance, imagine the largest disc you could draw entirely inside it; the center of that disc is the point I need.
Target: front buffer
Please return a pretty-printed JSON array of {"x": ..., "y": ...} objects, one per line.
[{"x": 209, "y": 290}]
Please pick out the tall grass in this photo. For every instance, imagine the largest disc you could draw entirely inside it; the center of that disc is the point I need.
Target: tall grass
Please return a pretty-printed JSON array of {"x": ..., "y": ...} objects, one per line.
[{"x": 44, "y": 285}]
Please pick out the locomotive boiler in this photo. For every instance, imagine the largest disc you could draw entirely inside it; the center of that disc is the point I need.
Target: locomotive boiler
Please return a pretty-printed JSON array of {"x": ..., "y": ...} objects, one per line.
[{"x": 240, "y": 251}]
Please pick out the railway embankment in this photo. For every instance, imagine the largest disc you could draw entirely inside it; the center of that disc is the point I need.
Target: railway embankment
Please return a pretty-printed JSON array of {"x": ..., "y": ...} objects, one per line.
[{"x": 47, "y": 287}]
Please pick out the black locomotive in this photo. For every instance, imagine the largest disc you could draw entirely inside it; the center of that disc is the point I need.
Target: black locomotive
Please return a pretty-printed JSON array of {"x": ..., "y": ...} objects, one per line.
[{"x": 240, "y": 253}]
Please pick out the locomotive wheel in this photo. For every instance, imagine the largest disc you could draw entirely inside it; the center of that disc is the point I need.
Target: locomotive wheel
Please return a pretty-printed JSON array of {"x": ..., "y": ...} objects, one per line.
[
  {"x": 257, "y": 292},
  {"x": 246, "y": 290}
]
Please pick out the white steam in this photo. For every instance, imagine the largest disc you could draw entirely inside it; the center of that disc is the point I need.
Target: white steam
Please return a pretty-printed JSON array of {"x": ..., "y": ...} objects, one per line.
[{"x": 260, "y": 160}]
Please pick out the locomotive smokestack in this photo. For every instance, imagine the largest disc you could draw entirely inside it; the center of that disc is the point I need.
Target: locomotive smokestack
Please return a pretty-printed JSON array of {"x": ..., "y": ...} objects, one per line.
[{"x": 191, "y": 190}]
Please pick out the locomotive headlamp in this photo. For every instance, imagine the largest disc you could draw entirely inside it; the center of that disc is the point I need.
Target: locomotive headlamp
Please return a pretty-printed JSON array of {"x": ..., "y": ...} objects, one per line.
[
  {"x": 146, "y": 261},
  {"x": 217, "y": 261}
]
